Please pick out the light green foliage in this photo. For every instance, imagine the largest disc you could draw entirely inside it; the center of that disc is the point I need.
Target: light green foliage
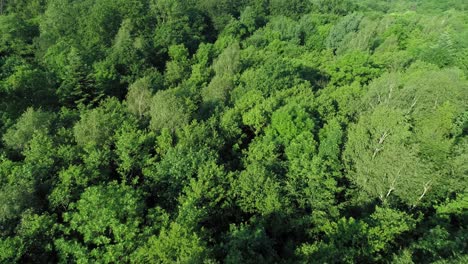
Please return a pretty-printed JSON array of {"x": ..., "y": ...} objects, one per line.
[
  {"x": 133, "y": 149},
  {"x": 228, "y": 62},
  {"x": 346, "y": 25},
  {"x": 339, "y": 7},
  {"x": 31, "y": 122},
  {"x": 201, "y": 71},
  {"x": 164, "y": 142},
  {"x": 313, "y": 173},
  {"x": 386, "y": 225},
  {"x": 259, "y": 191},
  {"x": 233, "y": 131},
  {"x": 431, "y": 120},
  {"x": 226, "y": 66},
  {"x": 10, "y": 249},
  {"x": 217, "y": 91},
  {"x": 71, "y": 182},
  {"x": 353, "y": 67},
  {"x": 107, "y": 217},
  {"x": 383, "y": 159},
  {"x": 175, "y": 244},
  {"x": 289, "y": 145},
  {"x": 168, "y": 111},
  {"x": 350, "y": 240},
  {"x": 40, "y": 156},
  {"x": 342, "y": 103},
  {"x": 275, "y": 74},
  {"x": 178, "y": 68},
  {"x": 97, "y": 126},
  {"x": 455, "y": 207},
  {"x": 139, "y": 97},
  {"x": 362, "y": 40},
  {"x": 347, "y": 242},
  {"x": 283, "y": 28},
  {"x": 6, "y": 167},
  {"x": 289, "y": 121}
]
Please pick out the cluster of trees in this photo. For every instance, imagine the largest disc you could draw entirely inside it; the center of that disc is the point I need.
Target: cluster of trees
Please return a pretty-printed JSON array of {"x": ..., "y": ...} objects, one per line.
[{"x": 222, "y": 131}]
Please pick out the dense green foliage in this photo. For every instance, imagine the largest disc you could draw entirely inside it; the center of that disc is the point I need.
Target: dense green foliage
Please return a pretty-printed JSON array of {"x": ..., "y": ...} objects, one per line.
[{"x": 222, "y": 131}]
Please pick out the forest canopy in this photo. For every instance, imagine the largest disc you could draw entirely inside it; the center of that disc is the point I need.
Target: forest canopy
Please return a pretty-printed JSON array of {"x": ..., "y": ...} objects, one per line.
[{"x": 223, "y": 131}]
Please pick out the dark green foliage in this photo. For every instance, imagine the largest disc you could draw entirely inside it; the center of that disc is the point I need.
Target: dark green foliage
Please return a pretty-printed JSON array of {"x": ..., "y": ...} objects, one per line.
[
  {"x": 233, "y": 131},
  {"x": 249, "y": 245}
]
